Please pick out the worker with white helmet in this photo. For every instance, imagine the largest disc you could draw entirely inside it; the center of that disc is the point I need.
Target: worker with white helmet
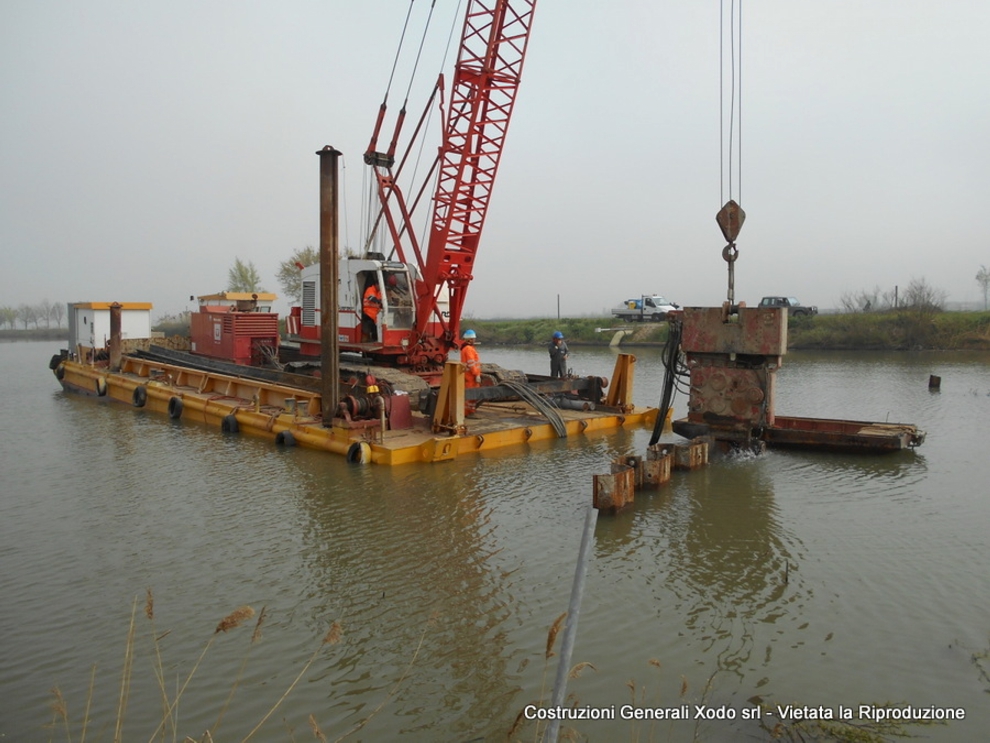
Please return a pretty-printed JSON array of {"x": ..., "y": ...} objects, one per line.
[{"x": 472, "y": 367}]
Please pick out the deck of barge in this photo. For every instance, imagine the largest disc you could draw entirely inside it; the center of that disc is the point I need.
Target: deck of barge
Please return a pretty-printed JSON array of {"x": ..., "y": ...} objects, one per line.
[{"x": 284, "y": 413}]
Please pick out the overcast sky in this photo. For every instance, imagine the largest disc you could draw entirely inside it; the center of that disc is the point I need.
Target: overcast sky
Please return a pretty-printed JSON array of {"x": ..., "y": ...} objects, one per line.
[{"x": 146, "y": 145}]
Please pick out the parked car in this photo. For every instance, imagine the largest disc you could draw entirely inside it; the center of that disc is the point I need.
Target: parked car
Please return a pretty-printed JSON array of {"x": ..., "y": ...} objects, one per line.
[
  {"x": 793, "y": 306},
  {"x": 645, "y": 307}
]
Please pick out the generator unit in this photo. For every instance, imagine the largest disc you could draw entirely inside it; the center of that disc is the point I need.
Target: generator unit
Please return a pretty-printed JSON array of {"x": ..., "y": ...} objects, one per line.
[{"x": 236, "y": 326}]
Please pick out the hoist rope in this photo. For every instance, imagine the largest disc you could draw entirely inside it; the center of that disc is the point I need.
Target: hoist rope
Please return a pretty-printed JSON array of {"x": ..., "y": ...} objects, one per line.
[
  {"x": 395, "y": 62},
  {"x": 419, "y": 52},
  {"x": 731, "y": 140},
  {"x": 730, "y": 217},
  {"x": 424, "y": 237},
  {"x": 343, "y": 193}
]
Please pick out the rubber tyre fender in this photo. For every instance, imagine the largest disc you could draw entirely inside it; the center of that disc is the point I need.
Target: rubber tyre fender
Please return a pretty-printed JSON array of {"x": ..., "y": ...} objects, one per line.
[
  {"x": 139, "y": 398},
  {"x": 229, "y": 424},
  {"x": 359, "y": 453},
  {"x": 285, "y": 438},
  {"x": 101, "y": 386},
  {"x": 60, "y": 372},
  {"x": 174, "y": 407}
]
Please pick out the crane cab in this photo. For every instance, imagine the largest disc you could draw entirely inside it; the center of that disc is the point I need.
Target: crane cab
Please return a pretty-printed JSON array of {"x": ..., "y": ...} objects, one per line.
[{"x": 392, "y": 331}]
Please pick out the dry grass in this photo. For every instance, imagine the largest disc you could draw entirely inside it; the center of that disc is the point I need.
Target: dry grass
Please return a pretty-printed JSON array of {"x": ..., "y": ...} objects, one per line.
[
  {"x": 552, "y": 634},
  {"x": 168, "y": 725},
  {"x": 235, "y": 619},
  {"x": 167, "y": 728}
]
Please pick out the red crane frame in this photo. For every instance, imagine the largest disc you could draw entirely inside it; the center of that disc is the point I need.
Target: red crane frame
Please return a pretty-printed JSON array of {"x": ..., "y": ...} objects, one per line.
[{"x": 485, "y": 83}]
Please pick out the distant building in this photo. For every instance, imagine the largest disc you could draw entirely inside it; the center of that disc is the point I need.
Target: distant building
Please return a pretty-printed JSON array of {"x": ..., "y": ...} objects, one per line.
[{"x": 89, "y": 322}]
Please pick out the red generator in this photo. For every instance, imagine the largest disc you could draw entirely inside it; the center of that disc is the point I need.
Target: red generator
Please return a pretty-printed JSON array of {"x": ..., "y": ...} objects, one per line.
[{"x": 237, "y": 327}]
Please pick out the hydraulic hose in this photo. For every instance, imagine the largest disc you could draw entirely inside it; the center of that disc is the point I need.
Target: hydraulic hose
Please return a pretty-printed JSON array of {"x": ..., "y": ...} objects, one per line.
[{"x": 670, "y": 356}]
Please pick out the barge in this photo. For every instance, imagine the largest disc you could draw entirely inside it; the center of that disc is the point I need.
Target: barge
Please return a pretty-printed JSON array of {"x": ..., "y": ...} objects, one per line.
[{"x": 379, "y": 423}]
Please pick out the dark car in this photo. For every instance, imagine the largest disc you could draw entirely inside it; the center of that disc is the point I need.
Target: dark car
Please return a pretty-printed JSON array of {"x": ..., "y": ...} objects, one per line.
[{"x": 793, "y": 306}]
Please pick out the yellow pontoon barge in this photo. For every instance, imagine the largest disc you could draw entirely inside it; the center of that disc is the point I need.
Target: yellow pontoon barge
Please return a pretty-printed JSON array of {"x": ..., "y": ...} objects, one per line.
[{"x": 287, "y": 409}]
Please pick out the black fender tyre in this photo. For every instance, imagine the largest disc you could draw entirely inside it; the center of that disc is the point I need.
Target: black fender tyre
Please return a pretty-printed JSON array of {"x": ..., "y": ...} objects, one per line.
[
  {"x": 359, "y": 453},
  {"x": 60, "y": 372},
  {"x": 101, "y": 386},
  {"x": 229, "y": 424},
  {"x": 139, "y": 398},
  {"x": 285, "y": 438},
  {"x": 175, "y": 408}
]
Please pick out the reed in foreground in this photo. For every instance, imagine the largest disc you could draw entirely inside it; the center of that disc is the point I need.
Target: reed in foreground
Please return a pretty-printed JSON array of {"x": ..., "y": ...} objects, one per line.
[{"x": 167, "y": 728}]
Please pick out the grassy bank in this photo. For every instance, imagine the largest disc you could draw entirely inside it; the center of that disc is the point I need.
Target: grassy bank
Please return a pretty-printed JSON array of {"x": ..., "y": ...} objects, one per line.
[
  {"x": 35, "y": 334},
  {"x": 884, "y": 331},
  {"x": 893, "y": 331},
  {"x": 899, "y": 330},
  {"x": 597, "y": 331}
]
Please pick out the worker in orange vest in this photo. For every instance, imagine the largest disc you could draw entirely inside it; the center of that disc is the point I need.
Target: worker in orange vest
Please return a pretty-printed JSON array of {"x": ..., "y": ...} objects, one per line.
[
  {"x": 370, "y": 307},
  {"x": 472, "y": 368}
]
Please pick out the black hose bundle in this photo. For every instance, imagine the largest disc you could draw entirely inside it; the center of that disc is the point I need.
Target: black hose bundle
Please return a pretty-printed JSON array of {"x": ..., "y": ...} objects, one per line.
[{"x": 671, "y": 360}]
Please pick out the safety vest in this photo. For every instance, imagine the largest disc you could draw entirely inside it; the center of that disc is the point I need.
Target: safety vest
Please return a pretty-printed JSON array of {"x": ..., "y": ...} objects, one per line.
[
  {"x": 471, "y": 361},
  {"x": 372, "y": 302}
]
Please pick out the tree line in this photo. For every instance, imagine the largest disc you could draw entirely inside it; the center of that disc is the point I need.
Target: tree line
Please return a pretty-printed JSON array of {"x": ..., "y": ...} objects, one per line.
[
  {"x": 51, "y": 314},
  {"x": 244, "y": 277},
  {"x": 918, "y": 295}
]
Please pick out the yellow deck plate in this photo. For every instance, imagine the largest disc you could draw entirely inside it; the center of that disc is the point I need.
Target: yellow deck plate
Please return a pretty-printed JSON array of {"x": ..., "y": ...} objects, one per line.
[{"x": 267, "y": 409}]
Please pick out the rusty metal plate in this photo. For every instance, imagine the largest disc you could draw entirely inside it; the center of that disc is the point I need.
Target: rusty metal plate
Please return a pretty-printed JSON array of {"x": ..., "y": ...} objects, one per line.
[{"x": 754, "y": 331}]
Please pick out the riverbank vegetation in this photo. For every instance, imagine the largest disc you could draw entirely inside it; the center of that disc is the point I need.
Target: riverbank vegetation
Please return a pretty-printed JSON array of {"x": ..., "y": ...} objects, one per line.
[
  {"x": 903, "y": 329},
  {"x": 35, "y": 334}
]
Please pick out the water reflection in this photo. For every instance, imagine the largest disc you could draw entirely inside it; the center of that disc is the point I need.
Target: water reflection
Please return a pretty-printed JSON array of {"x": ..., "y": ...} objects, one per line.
[
  {"x": 404, "y": 557},
  {"x": 724, "y": 563}
]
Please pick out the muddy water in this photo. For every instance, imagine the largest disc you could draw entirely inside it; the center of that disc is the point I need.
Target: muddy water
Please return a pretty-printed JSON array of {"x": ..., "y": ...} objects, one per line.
[{"x": 820, "y": 580}]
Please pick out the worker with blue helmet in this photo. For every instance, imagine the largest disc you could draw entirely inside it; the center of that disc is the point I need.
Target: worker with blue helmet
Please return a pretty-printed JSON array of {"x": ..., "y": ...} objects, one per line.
[{"x": 558, "y": 356}]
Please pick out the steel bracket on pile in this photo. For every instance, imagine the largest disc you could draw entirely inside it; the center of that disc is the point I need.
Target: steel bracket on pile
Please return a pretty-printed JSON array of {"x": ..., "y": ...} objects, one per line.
[{"x": 448, "y": 416}]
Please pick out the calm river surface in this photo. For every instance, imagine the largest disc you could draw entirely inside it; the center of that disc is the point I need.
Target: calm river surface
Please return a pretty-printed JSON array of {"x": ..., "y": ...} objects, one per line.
[{"x": 809, "y": 579}]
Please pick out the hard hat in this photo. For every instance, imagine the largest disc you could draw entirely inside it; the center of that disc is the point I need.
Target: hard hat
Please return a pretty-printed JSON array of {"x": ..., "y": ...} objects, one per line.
[
  {"x": 558, "y": 335},
  {"x": 469, "y": 335},
  {"x": 391, "y": 280}
]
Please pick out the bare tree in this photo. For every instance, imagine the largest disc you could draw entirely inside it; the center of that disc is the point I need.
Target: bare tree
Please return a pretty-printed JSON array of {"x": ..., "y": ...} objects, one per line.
[
  {"x": 27, "y": 314},
  {"x": 58, "y": 312},
  {"x": 864, "y": 301},
  {"x": 45, "y": 309},
  {"x": 983, "y": 279},
  {"x": 919, "y": 295}
]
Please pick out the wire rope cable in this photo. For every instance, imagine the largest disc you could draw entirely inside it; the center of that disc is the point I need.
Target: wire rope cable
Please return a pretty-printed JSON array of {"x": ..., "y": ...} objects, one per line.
[
  {"x": 347, "y": 229},
  {"x": 419, "y": 52},
  {"x": 422, "y": 145},
  {"x": 541, "y": 404},
  {"x": 398, "y": 51},
  {"x": 730, "y": 129}
]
